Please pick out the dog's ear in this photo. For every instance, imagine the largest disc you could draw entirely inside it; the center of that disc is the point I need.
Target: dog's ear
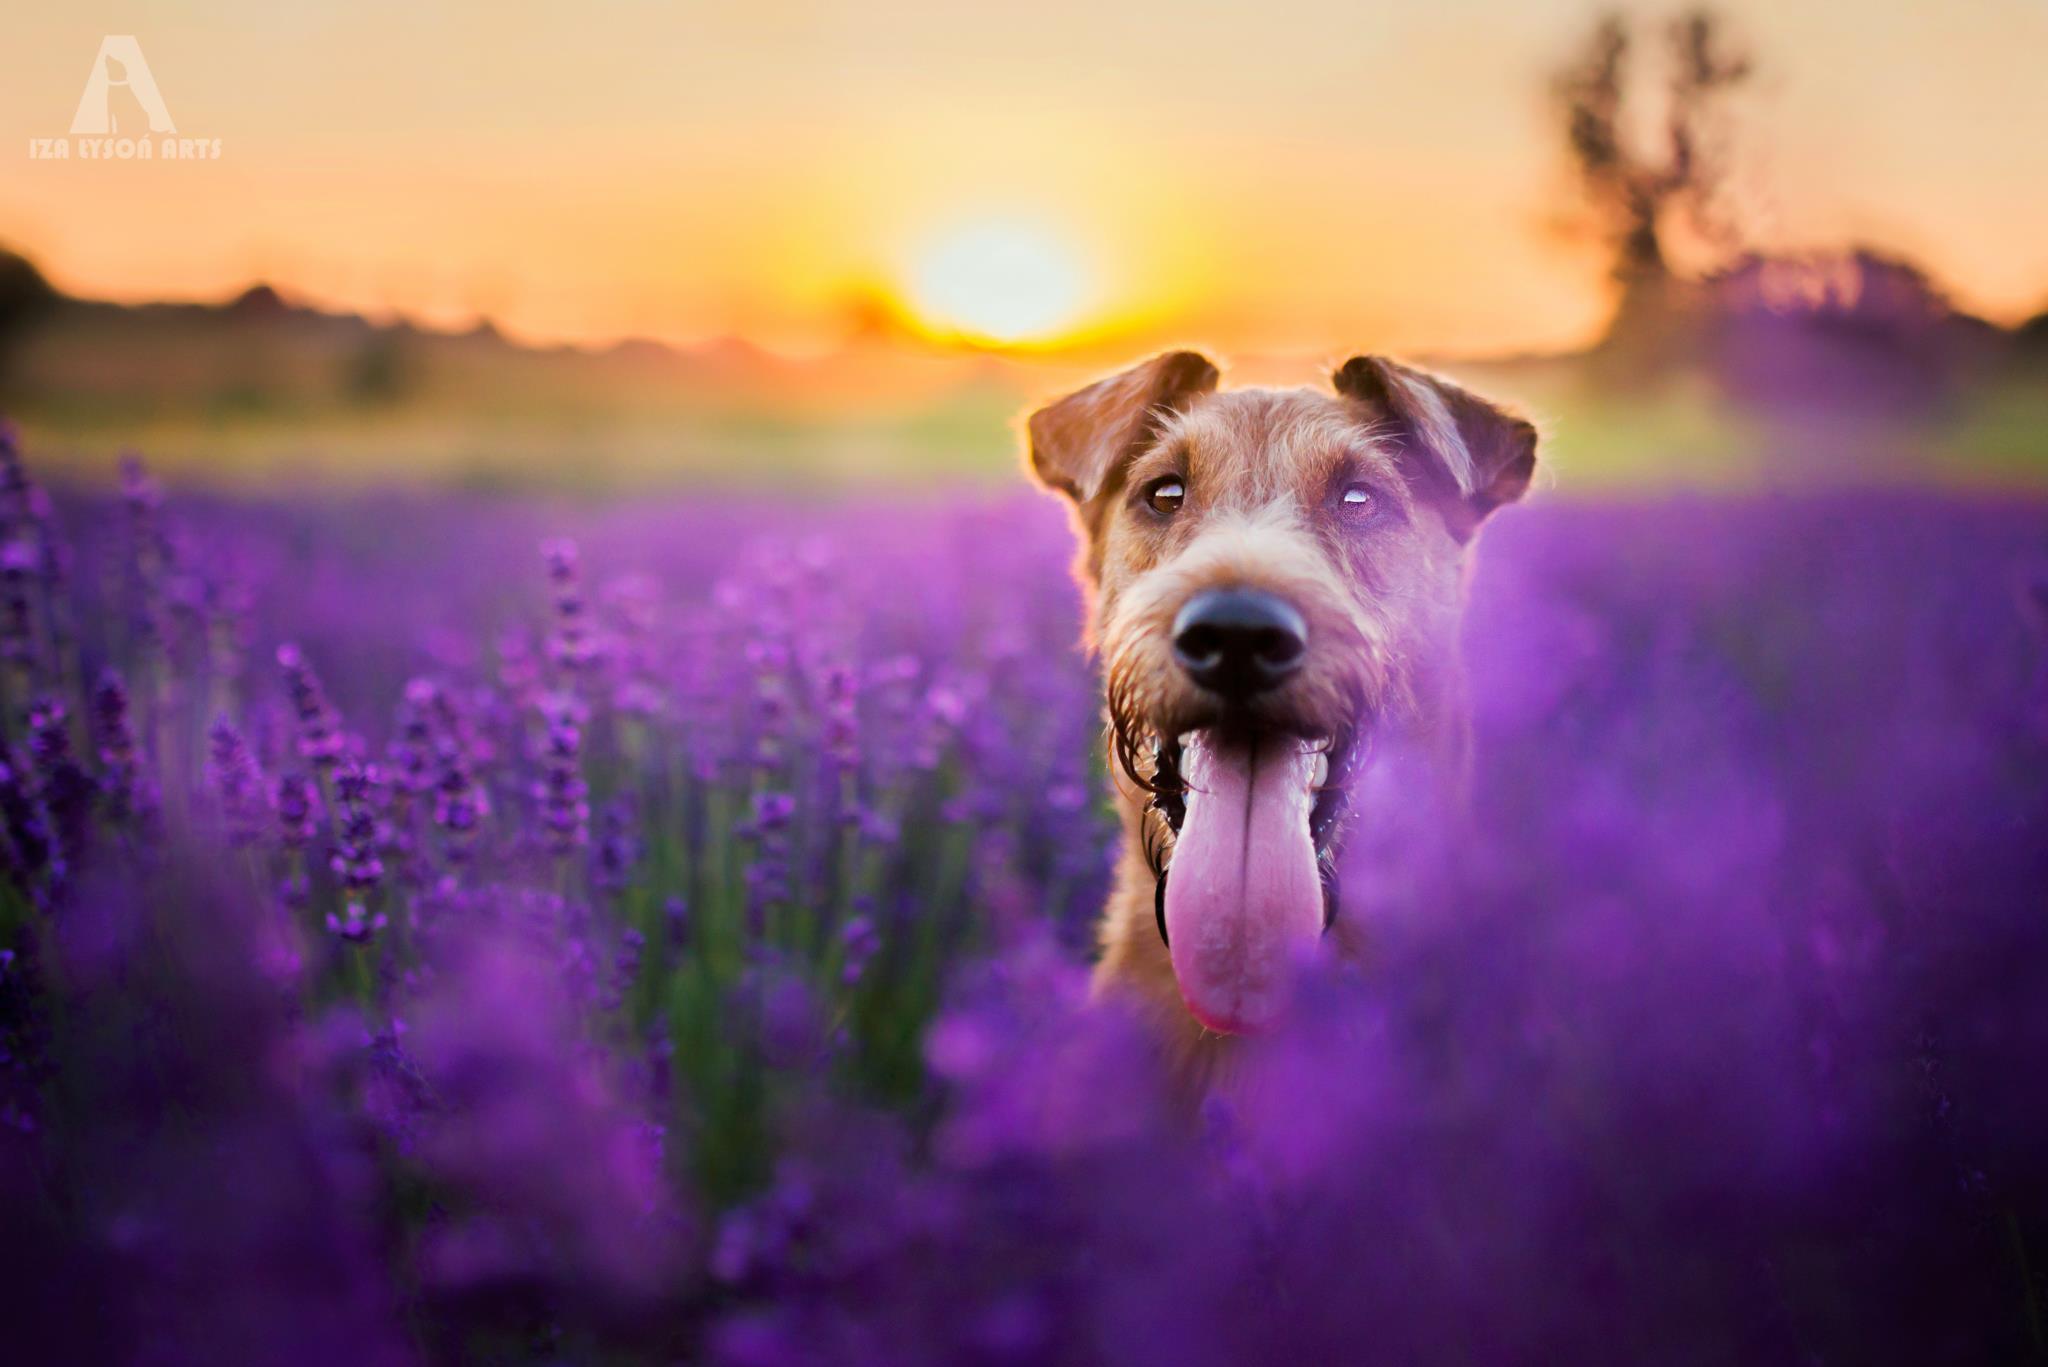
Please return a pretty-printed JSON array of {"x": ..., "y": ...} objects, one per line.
[
  {"x": 1480, "y": 453},
  {"x": 1080, "y": 443}
]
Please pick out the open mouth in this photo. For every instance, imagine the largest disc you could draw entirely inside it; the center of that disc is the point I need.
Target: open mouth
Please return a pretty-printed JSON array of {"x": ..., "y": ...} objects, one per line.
[{"x": 1250, "y": 884}]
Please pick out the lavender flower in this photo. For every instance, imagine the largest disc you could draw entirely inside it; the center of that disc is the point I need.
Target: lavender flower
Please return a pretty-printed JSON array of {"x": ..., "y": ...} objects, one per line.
[
  {"x": 243, "y": 1230},
  {"x": 413, "y": 749},
  {"x": 554, "y": 1176},
  {"x": 299, "y": 809},
  {"x": 150, "y": 555},
  {"x": 21, "y": 561},
  {"x": 618, "y": 848},
  {"x": 572, "y": 644},
  {"x": 859, "y": 940},
  {"x": 841, "y": 739},
  {"x": 63, "y": 787},
  {"x": 1737, "y": 950},
  {"x": 562, "y": 793},
  {"x": 31, "y": 571},
  {"x": 122, "y": 785},
  {"x": 768, "y": 874},
  {"x": 625, "y": 968},
  {"x": 518, "y": 671},
  {"x": 238, "y": 784},
  {"x": 459, "y": 803},
  {"x": 675, "y": 925},
  {"x": 31, "y": 843},
  {"x": 769, "y": 660},
  {"x": 356, "y": 923},
  {"x": 632, "y": 600},
  {"x": 15, "y": 483},
  {"x": 773, "y": 812},
  {"x": 320, "y": 741},
  {"x": 356, "y": 863}
]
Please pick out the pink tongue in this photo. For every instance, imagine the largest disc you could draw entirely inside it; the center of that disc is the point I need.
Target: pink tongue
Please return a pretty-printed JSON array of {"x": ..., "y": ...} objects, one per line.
[{"x": 1242, "y": 894}]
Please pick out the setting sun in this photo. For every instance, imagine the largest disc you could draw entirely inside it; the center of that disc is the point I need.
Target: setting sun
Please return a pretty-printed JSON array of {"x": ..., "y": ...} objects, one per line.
[{"x": 998, "y": 280}]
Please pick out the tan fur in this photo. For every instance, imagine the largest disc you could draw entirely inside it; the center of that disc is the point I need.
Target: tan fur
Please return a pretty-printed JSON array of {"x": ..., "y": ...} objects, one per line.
[{"x": 1264, "y": 472}]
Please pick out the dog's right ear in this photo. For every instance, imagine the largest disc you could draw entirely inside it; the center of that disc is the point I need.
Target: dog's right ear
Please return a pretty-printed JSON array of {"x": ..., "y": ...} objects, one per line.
[
  {"x": 1484, "y": 454},
  {"x": 1079, "y": 445}
]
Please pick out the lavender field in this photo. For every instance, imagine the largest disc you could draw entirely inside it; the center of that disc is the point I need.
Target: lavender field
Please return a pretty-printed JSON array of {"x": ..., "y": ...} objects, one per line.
[{"x": 452, "y": 929}]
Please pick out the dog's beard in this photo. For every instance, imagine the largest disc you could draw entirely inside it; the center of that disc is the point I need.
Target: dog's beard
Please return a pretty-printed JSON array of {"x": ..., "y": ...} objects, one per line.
[
  {"x": 1248, "y": 818},
  {"x": 1150, "y": 761}
]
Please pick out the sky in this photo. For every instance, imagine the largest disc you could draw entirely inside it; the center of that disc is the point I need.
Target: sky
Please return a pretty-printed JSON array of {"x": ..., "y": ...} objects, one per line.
[{"x": 1294, "y": 174}]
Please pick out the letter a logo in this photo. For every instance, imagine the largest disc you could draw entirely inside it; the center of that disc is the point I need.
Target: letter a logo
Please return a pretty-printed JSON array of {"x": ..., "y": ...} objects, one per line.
[{"x": 120, "y": 95}]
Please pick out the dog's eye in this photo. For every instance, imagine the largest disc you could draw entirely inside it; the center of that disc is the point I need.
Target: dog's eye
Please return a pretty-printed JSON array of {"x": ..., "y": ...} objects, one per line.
[
  {"x": 1165, "y": 495},
  {"x": 1359, "y": 500}
]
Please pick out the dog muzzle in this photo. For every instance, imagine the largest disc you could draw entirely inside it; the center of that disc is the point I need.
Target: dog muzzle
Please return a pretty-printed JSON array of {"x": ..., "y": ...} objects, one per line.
[{"x": 1252, "y": 882}]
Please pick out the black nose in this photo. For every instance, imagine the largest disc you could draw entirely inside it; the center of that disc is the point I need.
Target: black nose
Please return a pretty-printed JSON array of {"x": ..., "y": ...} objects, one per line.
[{"x": 1239, "y": 642}]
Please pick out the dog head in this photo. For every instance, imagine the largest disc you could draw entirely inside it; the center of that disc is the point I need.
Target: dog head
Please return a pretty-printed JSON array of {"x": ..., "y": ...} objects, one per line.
[{"x": 1272, "y": 575}]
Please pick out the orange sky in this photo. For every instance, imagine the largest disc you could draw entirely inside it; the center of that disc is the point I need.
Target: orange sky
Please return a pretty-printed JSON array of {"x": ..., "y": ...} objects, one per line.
[{"x": 1298, "y": 174}]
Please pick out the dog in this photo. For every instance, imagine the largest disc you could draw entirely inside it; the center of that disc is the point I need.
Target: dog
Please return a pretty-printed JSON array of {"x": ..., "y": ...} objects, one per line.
[{"x": 1274, "y": 582}]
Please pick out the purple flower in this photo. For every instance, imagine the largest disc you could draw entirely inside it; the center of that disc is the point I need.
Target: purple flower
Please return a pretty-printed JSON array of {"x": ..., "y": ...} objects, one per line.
[
  {"x": 298, "y": 807},
  {"x": 562, "y": 793},
  {"x": 840, "y": 702},
  {"x": 675, "y": 923},
  {"x": 207, "y": 1200},
  {"x": 31, "y": 842},
  {"x": 412, "y": 749},
  {"x": 859, "y": 940},
  {"x": 773, "y": 811},
  {"x": 238, "y": 784},
  {"x": 551, "y": 1174},
  {"x": 150, "y": 556},
  {"x": 33, "y": 615},
  {"x": 1737, "y": 949},
  {"x": 355, "y": 922},
  {"x": 63, "y": 788},
  {"x": 122, "y": 784},
  {"x": 625, "y": 968},
  {"x": 618, "y": 848},
  {"x": 20, "y": 562},
  {"x": 460, "y": 802},
  {"x": 518, "y": 671},
  {"x": 572, "y": 644},
  {"x": 792, "y": 1025},
  {"x": 15, "y": 484},
  {"x": 357, "y": 790},
  {"x": 320, "y": 740},
  {"x": 357, "y": 865}
]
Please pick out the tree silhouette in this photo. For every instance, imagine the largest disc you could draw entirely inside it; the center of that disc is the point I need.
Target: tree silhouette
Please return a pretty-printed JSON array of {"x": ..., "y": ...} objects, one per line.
[
  {"x": 26, "y": 299},
  {"x": 1638, "y": 188}
]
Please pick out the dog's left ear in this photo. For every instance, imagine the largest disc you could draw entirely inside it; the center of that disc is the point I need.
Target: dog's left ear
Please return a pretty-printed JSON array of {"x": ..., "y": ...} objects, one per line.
[
  {"x": 1483, "y": 454},
  {"x": 1079, "y": 443}
]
